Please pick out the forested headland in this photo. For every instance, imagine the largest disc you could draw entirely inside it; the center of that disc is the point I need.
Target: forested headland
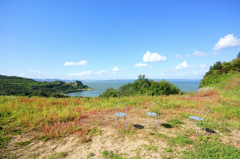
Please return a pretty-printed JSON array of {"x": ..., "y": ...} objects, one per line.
[{"x": 18, "y": 86}]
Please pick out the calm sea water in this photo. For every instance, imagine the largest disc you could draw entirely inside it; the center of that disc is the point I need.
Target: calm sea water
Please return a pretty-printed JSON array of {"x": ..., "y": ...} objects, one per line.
[{"x": 101, "y": 86}]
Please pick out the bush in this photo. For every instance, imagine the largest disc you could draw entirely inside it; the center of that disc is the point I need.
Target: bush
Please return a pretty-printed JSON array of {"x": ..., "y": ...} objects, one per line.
[
  {"x": 163, "y": 88},
  {"x": 126, "y": 90},
  {"x": 110, "y": 92},
  {"x": 143, "y": 86}
]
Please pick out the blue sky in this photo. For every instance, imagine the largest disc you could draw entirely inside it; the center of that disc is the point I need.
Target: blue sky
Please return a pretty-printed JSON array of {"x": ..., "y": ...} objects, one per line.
[{"x": 116, "y": 39}]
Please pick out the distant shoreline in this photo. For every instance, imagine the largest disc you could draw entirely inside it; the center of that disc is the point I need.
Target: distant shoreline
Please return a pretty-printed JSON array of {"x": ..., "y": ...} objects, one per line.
[
  {"x": 99, "y": 87},
  {"x": 107, "y": 80},
  {"x": 88, "y": 89}
]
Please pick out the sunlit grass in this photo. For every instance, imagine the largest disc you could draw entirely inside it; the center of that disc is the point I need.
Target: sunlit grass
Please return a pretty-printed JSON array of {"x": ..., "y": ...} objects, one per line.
[
  {"x": 53, "y": 118},
  {"x": 60, "y": 117}
]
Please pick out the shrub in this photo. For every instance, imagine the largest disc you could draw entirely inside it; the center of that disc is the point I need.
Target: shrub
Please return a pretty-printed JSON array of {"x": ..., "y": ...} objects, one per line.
[
  {"x": 143, "y": 86},
  {"x": 163, "y": 88},
  {"x": 110, "y": 92},
  {"x": 126, "y": 90}
]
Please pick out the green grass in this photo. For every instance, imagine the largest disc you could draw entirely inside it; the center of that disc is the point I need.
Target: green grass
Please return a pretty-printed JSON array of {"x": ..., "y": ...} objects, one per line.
[
  {"x": 175, "y": 122},
  {"x": 54, "y": 118},
  {"x": 180, "y": 140},
  {"x": 162, "y": 135},
  {"x": 23, "y": 143},
  {"x": 4, "y": 140},
  {"x": 150, "y": 147},
  {"x": 227, "y": 84},
  {"x": 46, "y": 113},
  {"x": 90, "y": 155},
  {"x": 56, "y": 155},
  {"x": 111, "y": 155},
  {"x": 33, "y": 155},
  {"x": 206, "y": 149},
  {"x": 8, "y": 155}
]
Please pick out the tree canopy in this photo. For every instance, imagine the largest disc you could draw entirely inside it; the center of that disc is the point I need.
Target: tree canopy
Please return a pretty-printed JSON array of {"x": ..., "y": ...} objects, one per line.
[{"x": 143, "y": 86}]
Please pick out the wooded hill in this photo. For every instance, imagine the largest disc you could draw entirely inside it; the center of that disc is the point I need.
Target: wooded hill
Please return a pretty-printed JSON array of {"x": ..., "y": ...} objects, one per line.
[
  {"x": 18, "y": 86},
  {"x": 218, "y": 70}
]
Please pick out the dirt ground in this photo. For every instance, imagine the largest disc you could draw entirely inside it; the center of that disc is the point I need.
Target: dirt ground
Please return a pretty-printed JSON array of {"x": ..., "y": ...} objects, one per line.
[{"x": 139, "y": 142}]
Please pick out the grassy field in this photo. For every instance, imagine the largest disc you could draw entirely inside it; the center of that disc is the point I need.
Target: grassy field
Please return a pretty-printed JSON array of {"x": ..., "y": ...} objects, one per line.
[{"x": 26, "y": 122}]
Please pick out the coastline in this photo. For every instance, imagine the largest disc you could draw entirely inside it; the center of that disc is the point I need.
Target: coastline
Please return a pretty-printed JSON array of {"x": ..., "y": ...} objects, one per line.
[
  {"x": 79, "y": 90},
  {"x": 99, "y": 87}
]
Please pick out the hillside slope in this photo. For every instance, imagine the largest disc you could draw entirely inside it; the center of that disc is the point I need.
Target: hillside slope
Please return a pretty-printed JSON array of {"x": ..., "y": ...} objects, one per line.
[{"x": 224, "y": 78}]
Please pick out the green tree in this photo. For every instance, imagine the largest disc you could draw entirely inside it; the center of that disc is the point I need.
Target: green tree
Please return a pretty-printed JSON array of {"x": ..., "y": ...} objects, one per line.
[
  {"x": 226, "y": 66},
  {"x": 110, "y": 92},
  {"x": 217, "y": 65},
  {"x": 163, "y": 88},
  {"x": 143, "y": 86},
  {"x": 126, "y": 90},
  {"x": 236, "y": 64}
]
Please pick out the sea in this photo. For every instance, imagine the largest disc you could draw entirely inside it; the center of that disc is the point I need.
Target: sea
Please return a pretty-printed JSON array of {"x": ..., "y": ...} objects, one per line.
[{"x": 101, "y": 86}]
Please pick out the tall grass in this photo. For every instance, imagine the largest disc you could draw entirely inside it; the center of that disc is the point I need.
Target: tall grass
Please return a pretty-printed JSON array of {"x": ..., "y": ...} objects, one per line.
[
  {"x": 45, "y": 115},
  {"x": 54, "y": 117}
]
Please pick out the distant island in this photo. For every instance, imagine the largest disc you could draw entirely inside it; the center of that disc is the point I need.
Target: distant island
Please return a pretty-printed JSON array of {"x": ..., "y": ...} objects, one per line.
[{"x": 18, "y": 86}]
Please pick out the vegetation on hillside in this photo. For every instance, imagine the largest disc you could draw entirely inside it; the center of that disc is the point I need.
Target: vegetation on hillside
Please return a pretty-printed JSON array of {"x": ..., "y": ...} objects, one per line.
[
  {"x": 143, "y": 86},
  {"x": 52, "y": 118},
  {"x": 217, "y": 71},
  {"x": 43, "y": 119},
  {"x": 18, "y": 86}
]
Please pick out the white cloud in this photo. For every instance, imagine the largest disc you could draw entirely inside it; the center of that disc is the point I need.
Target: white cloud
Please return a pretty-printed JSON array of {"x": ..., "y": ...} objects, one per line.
[
  {"x": 86, "y": 73},
  {"x": 202, "y": 65},
  {"x": 178, "y": 67},
  {"x": 179, "y": 56},
  {"x": 125, "y": 69},
  {"x": 195, "y": 72},
  {"x": 153, "y": 57},
  {"x": 31, "y": 74},
  {"x": 83, "y": 62},
  {"x": 101, "y": 72},
  {"x": 140, "y": 65},
  {"x": 116, "y": 69},
  {"x": 198, "y": 53},
  {"x": 23, "y": 74},
  {"x": 182, "y": 65},
  {"x": 80, "y": 74},
  {"x": 199, "y": 72},
  {"x": 34, "y": 71},
  {"x": 229, "y": 41}
]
